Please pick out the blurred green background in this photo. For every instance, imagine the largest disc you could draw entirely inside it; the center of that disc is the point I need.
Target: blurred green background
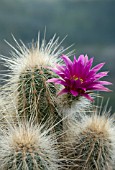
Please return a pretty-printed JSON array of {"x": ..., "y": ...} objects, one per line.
[{"x": 89, "y": 24}]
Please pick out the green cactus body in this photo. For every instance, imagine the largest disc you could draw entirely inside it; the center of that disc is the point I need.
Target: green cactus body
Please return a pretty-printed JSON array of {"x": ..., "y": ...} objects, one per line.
[
  {"x": 36, "y": 98},
  {"x": 28, "y": 147},
  {"x": 26, "y": 160},
  {"x": 91, "y": 152},
  {"x": 90, "y": 143}
]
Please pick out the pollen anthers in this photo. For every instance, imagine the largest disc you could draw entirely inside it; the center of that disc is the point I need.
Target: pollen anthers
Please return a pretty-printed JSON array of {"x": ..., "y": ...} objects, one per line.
[{"x": 75, "y": 77}]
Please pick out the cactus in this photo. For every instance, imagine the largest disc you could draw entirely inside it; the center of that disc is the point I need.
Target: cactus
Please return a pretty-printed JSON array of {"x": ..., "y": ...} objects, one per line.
[
  {"x": 34, "y": 97},
  {"x": 27, "y": 146},
  {"x": 7, "y": 111},
  {"x": 48, "y": 121},
  {"x": 70, "y": 105},
  {"x": 93, "y": 142}
]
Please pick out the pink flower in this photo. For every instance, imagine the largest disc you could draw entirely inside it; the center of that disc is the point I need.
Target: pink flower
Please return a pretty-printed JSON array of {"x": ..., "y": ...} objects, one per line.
[{"x": 78, "y": 78}]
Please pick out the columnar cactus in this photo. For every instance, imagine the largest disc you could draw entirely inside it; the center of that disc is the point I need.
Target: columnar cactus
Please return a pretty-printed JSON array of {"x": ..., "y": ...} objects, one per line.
[{"x": 34, "y": 97}]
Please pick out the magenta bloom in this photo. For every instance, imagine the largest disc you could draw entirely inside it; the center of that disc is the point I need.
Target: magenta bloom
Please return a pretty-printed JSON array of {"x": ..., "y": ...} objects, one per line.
[{"x": 78, "y": 78}]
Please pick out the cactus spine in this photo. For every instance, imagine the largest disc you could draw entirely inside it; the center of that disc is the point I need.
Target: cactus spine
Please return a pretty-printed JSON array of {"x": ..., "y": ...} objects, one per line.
[
  {"x": 85, "y": 139},
  {"x": 92, "y": 143},
  {"x": 36, "y": 98},
  {"x": 27, "y": 147}
]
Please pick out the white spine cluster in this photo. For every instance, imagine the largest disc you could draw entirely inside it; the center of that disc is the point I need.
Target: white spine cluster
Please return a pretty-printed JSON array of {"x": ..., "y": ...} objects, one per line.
[
  {"x": 23, "y": 57},
  {"x": 27, "y": 146},
  {"x": 92, "y": 141}
]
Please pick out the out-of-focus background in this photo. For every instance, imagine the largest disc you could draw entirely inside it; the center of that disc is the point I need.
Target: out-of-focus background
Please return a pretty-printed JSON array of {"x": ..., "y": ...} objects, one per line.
[{"x": 89, "y": 24}]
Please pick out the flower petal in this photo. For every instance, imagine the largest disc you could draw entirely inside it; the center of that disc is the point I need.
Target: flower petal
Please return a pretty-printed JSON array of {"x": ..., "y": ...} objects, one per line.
[
  {"x": 66, "y": 60},
  {"x": 53, "y": 80},
  {"x": 80, "y": 65},
  {"x": 87, "y": 68},
  {"x": 98, "y": 67},
  {"x": 87, "y": 96},
  {"x": 105, "y": 82},
  {"x": 60, "y": 67},
  {"x": 89, "y": 64},
  {"x": 86, "y": 59},
  {"x": 68, "y": 63},
  {"x": 100, "y": 75},
  {"x": 78, "y": 77},
  {"x": 74, "y": 93},
  {"x": 81, "y": 59},
  {"x": 99, "y": 88},
  {"x": 63, "y": 91},
  {"x": 57, "y": 81}
]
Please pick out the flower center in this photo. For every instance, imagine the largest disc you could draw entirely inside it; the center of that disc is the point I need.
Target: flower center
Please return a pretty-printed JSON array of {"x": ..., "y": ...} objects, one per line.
[{"x": 76, "y": 78}]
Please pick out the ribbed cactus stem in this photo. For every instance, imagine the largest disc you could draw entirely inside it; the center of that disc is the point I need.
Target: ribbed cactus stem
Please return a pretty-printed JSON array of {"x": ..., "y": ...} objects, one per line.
[
  {"x": 25, "y": 160},
  {"x": 71, "y": 105},
  {"x": 27, "y": 147},
  {"x": 91, "y": 143},
  {"x": 93, "y": 152},
  {"x": 36, "y": 98},
  {"x": 29, "y": 65}
]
